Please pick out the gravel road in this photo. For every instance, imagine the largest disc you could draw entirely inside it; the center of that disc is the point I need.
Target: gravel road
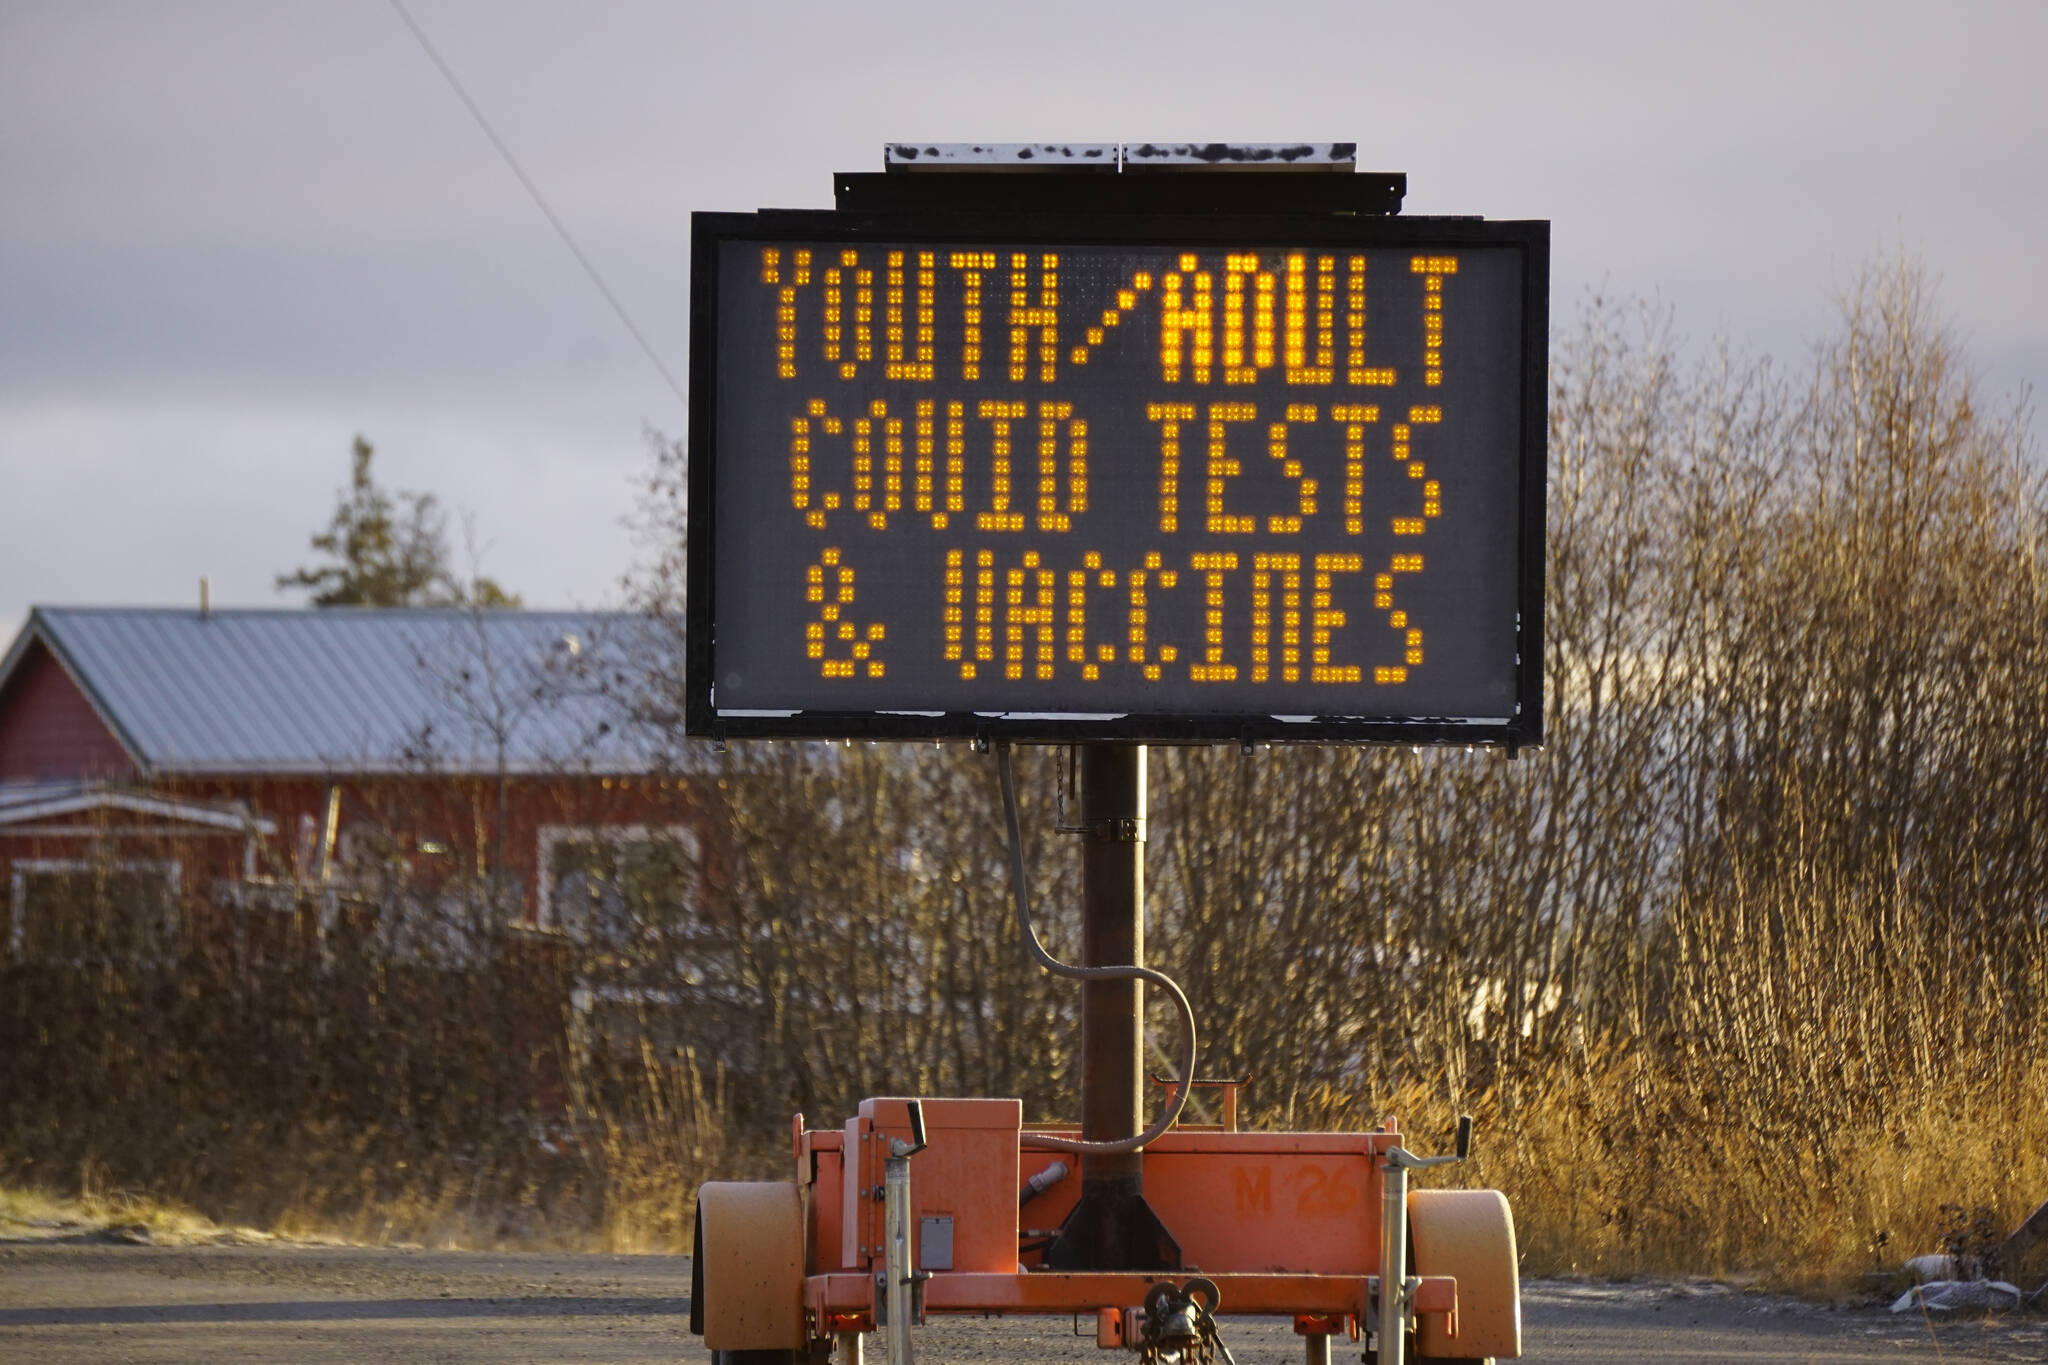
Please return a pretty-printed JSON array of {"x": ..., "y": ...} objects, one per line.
[{"x": 90, "y": 1301}]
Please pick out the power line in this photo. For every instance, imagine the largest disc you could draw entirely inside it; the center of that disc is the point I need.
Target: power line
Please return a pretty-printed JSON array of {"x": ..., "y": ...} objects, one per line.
[{"x": 539, "y": 200}]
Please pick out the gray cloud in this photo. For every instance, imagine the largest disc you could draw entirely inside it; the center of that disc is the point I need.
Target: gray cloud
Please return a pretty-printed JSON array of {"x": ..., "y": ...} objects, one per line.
[{"x": 235, "y": 233}]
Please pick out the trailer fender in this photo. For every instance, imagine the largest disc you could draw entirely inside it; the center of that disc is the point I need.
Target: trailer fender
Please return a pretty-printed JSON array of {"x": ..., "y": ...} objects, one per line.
[
  {"x": 747, "y": 1274},
  {"x": 1470, "y": 1235}
]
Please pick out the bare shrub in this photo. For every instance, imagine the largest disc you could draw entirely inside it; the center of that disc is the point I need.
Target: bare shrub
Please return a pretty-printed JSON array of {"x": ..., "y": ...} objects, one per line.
[{"x": 387, "y": 1062}]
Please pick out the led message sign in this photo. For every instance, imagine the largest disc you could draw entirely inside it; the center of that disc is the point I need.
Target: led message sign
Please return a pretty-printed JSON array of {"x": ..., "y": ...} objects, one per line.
[{"x": 1062, "y": 484}]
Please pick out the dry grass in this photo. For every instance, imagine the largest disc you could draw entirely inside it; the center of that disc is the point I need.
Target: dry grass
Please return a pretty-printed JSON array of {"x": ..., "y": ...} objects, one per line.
[
  {"x": 636, "y": 1199},
  {"x": 137, "y": 1126},
  {"x": 29, "y": 1214},
  {"x": 1608, "y": 1178}
]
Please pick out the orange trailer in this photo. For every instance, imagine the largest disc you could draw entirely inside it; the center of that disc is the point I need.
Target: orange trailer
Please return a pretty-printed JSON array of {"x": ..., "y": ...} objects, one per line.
[
  {"x": 1156, "y": 1233},
  {"x": 1289, "y": 1225}
]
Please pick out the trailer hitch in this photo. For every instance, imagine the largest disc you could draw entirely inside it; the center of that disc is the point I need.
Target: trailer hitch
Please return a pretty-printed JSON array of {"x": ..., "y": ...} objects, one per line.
[{"x": 1180, "y": 1325}]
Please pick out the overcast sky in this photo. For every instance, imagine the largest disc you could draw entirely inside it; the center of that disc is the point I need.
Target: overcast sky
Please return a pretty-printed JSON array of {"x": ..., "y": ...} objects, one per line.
[{"x": 233, "y": 235}]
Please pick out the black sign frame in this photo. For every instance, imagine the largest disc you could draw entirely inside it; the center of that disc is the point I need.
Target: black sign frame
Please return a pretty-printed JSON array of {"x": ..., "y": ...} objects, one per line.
[{"x": 710, "y": 231}]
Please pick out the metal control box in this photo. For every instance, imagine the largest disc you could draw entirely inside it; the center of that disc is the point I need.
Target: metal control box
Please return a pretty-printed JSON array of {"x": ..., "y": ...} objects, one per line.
[{"x": 967, "y": 1176}]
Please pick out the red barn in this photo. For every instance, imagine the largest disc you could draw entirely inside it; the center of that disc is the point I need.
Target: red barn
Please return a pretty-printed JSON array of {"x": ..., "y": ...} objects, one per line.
[{"x": 356, "y": 760}]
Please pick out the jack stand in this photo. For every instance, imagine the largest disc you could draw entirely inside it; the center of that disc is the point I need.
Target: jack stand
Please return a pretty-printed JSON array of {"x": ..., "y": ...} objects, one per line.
[
  {"x": 901, "y": 1278},
  {"x": 1397, "y": 1286}
]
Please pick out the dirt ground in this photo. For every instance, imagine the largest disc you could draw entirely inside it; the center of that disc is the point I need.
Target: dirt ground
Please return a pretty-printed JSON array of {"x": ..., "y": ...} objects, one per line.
[{"x": 96, "y": 1301}]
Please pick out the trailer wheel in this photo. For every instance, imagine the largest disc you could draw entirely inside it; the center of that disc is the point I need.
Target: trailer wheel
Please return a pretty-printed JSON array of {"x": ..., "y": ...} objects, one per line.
[
  {"x": 747, "y": 1273},
  {"x": 1470, "y": 1235}
]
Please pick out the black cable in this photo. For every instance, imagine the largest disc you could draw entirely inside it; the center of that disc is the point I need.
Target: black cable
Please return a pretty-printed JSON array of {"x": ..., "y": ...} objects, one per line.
[
  {"x": 532, "y": 189},
  {"x": 1022, "y": 895}
]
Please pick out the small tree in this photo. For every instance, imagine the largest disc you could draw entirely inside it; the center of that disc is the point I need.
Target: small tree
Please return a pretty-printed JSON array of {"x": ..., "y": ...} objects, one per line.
[{"x": 388, "y": 550}]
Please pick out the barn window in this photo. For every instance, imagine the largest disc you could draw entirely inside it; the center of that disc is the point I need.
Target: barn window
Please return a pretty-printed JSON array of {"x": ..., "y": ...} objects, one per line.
[
  {"x": 632, "y": 895},
  {"x": 121, "y": 911}
]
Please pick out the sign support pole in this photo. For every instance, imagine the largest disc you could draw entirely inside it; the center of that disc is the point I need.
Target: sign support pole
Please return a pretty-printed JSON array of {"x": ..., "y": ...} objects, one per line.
[{"x": 1112, "y": 1012}]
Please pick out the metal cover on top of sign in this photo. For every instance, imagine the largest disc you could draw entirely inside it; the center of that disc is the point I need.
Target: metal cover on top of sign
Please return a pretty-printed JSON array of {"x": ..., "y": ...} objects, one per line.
[{"x": 1166, "y": 489}]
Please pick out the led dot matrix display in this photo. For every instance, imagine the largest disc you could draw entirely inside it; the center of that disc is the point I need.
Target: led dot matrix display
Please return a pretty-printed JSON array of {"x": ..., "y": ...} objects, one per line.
[{"x": 1176, "y": 490}]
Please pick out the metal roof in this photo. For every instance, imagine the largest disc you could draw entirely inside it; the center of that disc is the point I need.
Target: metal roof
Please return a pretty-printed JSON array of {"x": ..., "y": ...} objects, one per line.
[
  {"x": 355, "y": 689},
  {"x": 26, "y": 807}
]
